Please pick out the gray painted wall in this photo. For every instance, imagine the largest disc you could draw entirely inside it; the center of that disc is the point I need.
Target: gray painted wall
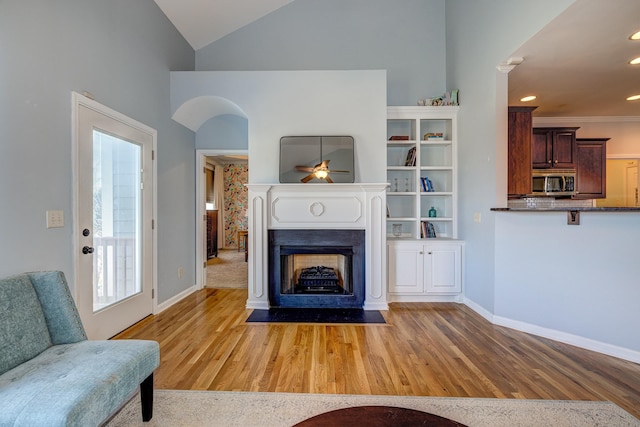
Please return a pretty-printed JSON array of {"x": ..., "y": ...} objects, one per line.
[
  {"x": 480, "y": 35},
  {"x": 583, "y": 288},
  {"x": 227, "y": 131},
  {"x": 405, "y": 37},
  {"x": 121, "y": 51}
]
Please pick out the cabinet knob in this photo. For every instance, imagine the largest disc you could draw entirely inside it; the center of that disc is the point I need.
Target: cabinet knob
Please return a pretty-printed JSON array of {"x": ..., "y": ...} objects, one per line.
[
  {"x": 549, "y": 161},
  {"x": 421, "y": 253},
  {"x": 556, "y": 161},
  {"x": 429, "y": 253}
]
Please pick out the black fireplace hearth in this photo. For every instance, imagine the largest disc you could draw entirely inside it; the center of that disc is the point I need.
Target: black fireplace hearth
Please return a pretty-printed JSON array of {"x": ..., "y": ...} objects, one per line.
[{"x": 316, "y": 268}]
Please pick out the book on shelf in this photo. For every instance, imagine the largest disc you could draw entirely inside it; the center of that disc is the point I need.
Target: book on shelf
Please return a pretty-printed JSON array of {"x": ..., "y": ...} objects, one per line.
[
  {"x": 433, "y": 135},
  {"x": 427, "y": 185},
  {"x": 399, "y": 138},
  {"x": 427, "y": 230},
  {"x": 411, "y": 157}
]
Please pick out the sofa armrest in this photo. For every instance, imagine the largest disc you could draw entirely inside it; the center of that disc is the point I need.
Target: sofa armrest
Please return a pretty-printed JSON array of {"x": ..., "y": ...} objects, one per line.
[{"x": 60, "y": 311}]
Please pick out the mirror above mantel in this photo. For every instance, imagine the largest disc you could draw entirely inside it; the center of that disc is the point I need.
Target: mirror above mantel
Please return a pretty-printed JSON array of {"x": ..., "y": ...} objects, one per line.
[{"x": 317, "y": 159}]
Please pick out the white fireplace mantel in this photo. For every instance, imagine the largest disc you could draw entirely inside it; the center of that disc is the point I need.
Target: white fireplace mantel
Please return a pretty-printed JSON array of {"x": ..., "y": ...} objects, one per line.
[{"x": 318, "y": 206}]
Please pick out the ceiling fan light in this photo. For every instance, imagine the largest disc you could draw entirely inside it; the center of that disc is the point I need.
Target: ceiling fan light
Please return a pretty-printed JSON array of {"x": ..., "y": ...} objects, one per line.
[
  {"x": 528, "y": 98},
  {"x": 635, "y": 61},
  {"x": 635, "y": 36},
  {"x": 633, "y": 98},
  {"x": 321, "y": 174}
]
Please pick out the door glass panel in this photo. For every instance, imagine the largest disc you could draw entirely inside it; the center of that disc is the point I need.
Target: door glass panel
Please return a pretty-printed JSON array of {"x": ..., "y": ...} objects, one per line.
[{"x": 116, "y": 219}]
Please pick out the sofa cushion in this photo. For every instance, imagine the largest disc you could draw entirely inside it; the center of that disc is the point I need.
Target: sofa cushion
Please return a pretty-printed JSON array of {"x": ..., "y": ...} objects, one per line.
[
  {"x": 60, "y": 312},
  {"x": 79, "y": 384},
  {"x": 23, "y": 328}
]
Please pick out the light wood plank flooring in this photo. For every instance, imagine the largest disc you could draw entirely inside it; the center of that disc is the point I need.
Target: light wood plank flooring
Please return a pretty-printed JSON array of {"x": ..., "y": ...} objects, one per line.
[{"x": 425, "y": 349}]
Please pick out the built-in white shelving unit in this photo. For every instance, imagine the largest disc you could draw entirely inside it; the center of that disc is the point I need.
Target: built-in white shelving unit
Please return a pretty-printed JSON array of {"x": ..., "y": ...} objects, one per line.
[
  {"x": 430, "y": 133},
  {"x": 422, "y": 150}
]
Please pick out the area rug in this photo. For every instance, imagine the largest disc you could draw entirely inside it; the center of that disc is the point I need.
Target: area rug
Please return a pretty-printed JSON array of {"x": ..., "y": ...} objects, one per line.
[
  {"x": 227, "y": 270},
  {"x": 316, "y": 315},
  {"x": 177, "y": 408}
]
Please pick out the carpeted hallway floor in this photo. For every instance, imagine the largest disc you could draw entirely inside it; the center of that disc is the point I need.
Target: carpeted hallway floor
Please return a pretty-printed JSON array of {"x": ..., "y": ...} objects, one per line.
[{"x": 227, "y": 270}]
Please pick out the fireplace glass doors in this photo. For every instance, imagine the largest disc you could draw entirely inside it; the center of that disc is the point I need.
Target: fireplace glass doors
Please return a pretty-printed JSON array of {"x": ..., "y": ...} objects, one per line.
[
  {"x": 316, "y": 268},
  {"x": 316, "y": 273}
]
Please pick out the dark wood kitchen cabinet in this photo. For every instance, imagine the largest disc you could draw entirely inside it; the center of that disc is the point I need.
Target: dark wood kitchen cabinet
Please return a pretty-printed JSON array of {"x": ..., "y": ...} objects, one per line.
[
  {"x": 553, "y": 147},
  {"x": 519, "y": 151},
  {"x": 591, "y": 172},
  {"x": 212, "y": 234}
]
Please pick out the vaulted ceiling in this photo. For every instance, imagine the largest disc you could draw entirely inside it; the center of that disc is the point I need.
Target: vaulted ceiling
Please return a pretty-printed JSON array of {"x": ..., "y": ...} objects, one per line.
[
  {"x": 576, "y": 66},
  {"x": 202, "y": 22}
]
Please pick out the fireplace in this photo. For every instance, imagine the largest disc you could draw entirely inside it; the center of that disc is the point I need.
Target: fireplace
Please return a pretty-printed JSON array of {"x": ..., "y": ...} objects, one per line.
[
  {"x": 313, "y": 213},
  {"x": 316, "y": 268}
]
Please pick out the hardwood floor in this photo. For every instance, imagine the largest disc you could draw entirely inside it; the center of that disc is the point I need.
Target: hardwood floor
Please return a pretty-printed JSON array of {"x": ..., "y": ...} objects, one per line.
[{"x": 425, "y": 349}]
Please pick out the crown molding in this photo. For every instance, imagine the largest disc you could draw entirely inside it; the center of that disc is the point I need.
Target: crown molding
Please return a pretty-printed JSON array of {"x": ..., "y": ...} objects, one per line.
[{"x": 588, "y": 119}]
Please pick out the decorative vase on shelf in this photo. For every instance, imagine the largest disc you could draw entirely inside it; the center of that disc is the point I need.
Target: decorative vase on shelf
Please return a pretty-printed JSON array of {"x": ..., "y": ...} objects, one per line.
[{"x": 432, "y": 212}]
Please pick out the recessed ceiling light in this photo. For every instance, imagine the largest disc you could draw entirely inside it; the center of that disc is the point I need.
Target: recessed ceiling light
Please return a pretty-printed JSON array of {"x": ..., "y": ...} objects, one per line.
[
  {"x": 633, "y": 98},
  {"x": 635, "y": 61},
  {"x": 528, "y": 98},
  {"x": 635, "y": 36}
]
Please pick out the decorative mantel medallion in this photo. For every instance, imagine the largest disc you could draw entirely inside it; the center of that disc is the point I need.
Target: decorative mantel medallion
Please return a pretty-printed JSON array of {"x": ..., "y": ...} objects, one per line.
[{"x": 316, "y": 208}]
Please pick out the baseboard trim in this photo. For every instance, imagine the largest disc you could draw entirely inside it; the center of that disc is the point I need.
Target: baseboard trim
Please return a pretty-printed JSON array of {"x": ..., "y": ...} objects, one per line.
[
  {"x": 257, "y": 305},
  {"x": 553, "y": 334},
  {"x": 175, "y": 299},
  {"x": 424, "y": 298},
  {"x": 383, "y": 306},
  {"x": 478, "y": 309}
]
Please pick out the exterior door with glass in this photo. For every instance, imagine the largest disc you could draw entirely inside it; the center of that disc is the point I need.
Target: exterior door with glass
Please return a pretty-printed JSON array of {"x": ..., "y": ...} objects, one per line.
[{"x": 114, "y": 218}]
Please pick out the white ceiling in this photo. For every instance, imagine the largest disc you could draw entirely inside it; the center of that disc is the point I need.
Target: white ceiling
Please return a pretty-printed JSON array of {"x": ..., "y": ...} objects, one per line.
[
  {"x": 202, "y": 22},
  {"x": 576, "y": 65}
]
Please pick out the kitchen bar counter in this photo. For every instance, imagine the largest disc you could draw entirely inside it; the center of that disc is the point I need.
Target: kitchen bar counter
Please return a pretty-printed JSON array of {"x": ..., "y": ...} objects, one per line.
[
  {"x": 567, "y": 208},
  {"x": 550, "y": 204}
]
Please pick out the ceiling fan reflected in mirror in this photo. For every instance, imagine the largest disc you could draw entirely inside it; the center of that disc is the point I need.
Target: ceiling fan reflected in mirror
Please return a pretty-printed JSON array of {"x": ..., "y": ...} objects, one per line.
[
  {"x": 317, "y": 159},
  {"x": 319, "y": 171}
]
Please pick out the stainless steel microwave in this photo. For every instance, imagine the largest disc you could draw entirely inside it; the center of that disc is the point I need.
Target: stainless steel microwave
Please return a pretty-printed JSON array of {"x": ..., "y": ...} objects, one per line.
[{"x": 554, "y": 182}]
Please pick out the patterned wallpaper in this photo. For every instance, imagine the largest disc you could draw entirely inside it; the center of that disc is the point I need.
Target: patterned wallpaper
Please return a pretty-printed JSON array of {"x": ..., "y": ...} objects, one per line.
[{"x": 235, "y": 202}]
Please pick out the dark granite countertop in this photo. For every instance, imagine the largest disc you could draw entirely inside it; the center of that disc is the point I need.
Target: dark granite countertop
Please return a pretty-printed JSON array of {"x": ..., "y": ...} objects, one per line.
[{"x": 564, "y": 209}]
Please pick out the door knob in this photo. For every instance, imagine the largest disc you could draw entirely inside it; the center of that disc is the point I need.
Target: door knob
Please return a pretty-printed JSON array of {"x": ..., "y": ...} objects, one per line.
[{"x": 87, "y": 250}]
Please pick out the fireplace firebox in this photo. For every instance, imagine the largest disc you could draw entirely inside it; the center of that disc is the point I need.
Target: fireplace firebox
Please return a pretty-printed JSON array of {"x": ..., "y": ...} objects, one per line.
[{"x": 316, "y": 268}]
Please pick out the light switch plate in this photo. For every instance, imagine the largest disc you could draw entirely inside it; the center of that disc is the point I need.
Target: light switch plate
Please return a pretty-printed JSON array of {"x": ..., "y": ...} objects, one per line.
[{"x": 55, "y": 219}]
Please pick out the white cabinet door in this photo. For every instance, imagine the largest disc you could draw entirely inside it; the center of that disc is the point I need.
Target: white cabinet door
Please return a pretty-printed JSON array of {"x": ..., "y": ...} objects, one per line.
[
  {"x": 406, "y": 268},
  {"x": 443, "y": 268}
]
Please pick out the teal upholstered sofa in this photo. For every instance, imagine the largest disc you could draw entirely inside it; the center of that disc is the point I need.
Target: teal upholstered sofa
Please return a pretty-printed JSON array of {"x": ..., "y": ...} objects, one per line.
[{"x": 50, "y": 374}]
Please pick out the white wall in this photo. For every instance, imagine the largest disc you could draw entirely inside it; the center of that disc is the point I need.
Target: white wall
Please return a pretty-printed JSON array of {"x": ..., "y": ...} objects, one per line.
[{"x": 281, "y": 103}]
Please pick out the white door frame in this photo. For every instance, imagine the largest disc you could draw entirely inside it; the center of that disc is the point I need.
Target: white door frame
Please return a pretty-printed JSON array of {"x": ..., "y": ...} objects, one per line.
[
  {"x": 201, "y": 254},
  {"x": 78, "y": 99}
]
